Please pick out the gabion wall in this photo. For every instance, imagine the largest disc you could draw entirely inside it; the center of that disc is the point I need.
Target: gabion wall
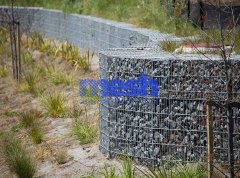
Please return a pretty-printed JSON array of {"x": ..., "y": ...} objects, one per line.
[
  {"x": 149, "y": 129},
  {"x": 172, "y": 125},
  {"x": 85, "y": 32}
]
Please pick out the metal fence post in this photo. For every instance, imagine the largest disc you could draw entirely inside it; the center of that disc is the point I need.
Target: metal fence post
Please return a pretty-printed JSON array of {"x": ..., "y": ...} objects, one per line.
[{"x": 210, "y": 140}]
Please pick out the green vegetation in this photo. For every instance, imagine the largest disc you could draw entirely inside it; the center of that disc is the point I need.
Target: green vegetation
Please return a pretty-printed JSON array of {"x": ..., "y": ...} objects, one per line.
[
  {"x": 3, "y": 71},
  {"x": 144, "y": 13},
  {"x": 72, "y": 54},
  {"x": 10, "y": 113},
  {"x": 83, "y": 61},
  {"x": 61, "y": 157},
  {"x": 58, "y": 78},
  {"x": 109, "y": 172},
  {"x": 16, "y": 127},
  {"x": 169, "y": 46},
  {"x": 36, "y": 134},
  {"x": 75, "y": 111},
  {"x": 128, "y": 168},
  {"x": 17, "y": 158},
  {"x": 28, "y": 118},
  {"x": 168, "y": 169},
  {"x": 32, "y": 79},
  {"x": 85, "y": 131},
  {"x": 27, "y": 57},
  {"x": 176, "y": 170},
  {"x": 54, "y": 105}
]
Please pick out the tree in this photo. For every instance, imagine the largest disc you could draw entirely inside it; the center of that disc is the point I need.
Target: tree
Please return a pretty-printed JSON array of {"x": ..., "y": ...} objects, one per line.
[{"x": 224, "y": 38}]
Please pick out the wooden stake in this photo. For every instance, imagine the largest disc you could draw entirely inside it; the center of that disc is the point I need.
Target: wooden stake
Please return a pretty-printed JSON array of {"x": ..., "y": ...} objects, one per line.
[{"x": 210, "y": 140}]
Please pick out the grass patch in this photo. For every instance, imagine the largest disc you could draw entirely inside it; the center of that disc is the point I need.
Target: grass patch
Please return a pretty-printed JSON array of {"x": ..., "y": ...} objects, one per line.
[
  {"x": 54, "y": 105},
  {"x": 176, "y": 170},
  {"x": 109, "y": 172},
  {"x": 36, "y": 134},
  {"x": 83, "y": 61},
  {"x": 85, "y": 131},
  {"x": 75, "y": 111},
  {"x": 72, "y": 54},
  {"x": 3, "y": 71},
  {"x": 237, "y": 44},
  {"x": 32, "y": 83},
  {"x": 27, "y": 57},
  {"x": 61, "y": 157},
  {"x": 17, "y": 158},
  {"x": 128, "y": 168},
  {"x": 16, "y": 127},
  {"x": 169, "y": 46},
  {"x": 58, "y": 78},
  {"x": 10, "y": 113},
  {"x": 29, "y": 118}
]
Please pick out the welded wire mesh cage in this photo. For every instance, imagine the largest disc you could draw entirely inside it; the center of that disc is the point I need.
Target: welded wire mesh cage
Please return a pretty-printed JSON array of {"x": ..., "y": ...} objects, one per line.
[{"x": 171, "y": 125}]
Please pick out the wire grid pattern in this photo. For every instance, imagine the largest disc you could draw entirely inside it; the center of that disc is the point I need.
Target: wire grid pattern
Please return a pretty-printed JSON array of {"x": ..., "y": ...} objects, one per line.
[
  {"x": 147, "y": 128},
  {"x": 85, "y": 32},
  {"x": 172, "y": 125}
]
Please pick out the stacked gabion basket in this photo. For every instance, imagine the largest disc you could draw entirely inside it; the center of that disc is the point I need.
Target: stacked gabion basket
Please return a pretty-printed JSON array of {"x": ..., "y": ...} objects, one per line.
[{"x": 173, "y": 124}]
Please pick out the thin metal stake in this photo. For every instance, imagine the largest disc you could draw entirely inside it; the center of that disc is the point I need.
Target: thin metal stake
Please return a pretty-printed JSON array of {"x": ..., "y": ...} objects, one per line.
[{"x": 210, "y": 140}]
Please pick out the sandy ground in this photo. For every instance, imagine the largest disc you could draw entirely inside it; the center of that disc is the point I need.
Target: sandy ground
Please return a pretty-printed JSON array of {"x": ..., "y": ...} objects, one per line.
[{"x": 82, "y": 159}]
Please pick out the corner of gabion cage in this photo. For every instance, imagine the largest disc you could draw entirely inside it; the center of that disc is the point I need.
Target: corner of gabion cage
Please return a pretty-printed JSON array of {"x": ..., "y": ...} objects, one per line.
[{"x": 171, "y": 125}]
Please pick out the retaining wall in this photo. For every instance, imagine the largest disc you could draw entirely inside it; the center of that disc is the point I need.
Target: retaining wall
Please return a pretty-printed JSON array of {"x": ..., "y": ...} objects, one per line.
[{"x": 85, "y": 32}]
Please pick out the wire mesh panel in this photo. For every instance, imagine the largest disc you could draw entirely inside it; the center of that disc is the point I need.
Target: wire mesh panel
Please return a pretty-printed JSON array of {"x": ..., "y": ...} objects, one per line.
[{"x": 171, "y": 125}]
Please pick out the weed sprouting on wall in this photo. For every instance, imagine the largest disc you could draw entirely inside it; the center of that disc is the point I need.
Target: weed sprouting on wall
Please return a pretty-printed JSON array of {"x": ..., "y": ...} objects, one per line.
[{"x": 169, "y": 46}]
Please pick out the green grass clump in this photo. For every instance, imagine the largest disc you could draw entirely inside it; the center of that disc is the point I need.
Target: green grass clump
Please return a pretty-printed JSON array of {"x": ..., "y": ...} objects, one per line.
[
  {"x": 109, "y": 172},
  {"x": 72, "y": 54},
  {"x": 83, "y": 61},
  {"x": 16, "y": 127},
  {"x": 10, "y": 113},
  {"x": 61, "y": 157},
  {"x": 27, "y": 57},
  {"x": 169, "y": 46},
  {"x": 85, "y": 131},
  {"x": 54, "y": 105},
  {"x": 58, "y": 78},
  {"x": 30, "y": 117},
  {"x": 3, "y": 71},
  {"x": 175, "y": 170},
  {"x": 36, "y": 134},
  {"x": 75, "y": 111},
  {"x": 27, "y": 119},
  {"x": 237, "y": 42},
  {"x": 17, "y": 158},
  {"x": 128, "y": 168},
  {"x": 32, "y": 83}
]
